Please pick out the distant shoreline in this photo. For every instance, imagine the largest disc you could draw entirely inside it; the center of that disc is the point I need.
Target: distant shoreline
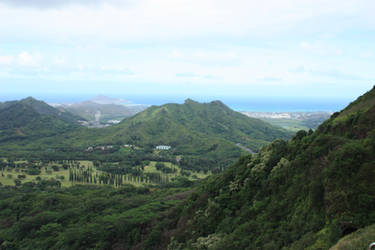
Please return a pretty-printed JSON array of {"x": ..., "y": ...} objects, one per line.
[{"x": 250, "y": 104}]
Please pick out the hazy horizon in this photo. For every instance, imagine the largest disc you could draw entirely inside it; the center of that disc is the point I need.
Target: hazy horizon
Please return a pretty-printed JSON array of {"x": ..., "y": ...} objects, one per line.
[
  {"x": 254, "y": 104},
  {"x": 292, "y": 50}
]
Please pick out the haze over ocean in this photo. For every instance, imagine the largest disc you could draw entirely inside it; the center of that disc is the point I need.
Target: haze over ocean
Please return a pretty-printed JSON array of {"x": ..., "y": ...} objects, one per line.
[{"x": 260, "y": 104}]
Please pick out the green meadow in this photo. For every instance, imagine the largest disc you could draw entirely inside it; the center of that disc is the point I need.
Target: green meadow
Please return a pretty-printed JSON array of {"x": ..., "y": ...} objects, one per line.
[{"x": 64, "y": 171}]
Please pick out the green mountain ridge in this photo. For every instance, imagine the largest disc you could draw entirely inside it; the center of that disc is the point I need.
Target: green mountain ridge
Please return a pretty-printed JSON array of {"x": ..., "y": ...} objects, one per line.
[
  {"x": 203, "y": 133},
  {"x": 29, "y": 118},
  {"x": 211, "y": 119},
  {"x": 306, "y": 193}
]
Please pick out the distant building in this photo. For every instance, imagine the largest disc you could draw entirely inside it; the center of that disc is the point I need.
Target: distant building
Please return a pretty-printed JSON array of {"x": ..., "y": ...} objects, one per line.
[
  {"x": 163, "y": 147},
  {"x": 104, "y": 147},
  {"x": 89, "y": 149},
  {"x": 114, "y": 121}
]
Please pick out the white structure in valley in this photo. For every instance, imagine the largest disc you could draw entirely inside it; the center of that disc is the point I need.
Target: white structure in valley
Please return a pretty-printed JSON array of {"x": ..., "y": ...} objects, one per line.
[{"x": 163, "y": 147}]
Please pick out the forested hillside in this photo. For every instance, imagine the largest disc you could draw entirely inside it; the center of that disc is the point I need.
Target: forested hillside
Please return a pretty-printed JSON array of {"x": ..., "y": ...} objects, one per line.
[
  {"x": 43, "y": 215},
  {"x": 306, "y": 193},
  {"x": 212, "y": 119},
  {"x": 32, "y": 119}
]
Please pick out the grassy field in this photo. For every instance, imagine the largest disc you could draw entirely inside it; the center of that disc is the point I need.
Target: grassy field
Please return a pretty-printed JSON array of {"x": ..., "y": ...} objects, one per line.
[
  {"x": 9, "y": 175},
  {"x": 192, "y": 175}
]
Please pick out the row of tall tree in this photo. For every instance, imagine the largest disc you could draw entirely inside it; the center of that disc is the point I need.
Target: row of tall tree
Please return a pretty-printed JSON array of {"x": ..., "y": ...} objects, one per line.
[{"x": 87, "y": 175}]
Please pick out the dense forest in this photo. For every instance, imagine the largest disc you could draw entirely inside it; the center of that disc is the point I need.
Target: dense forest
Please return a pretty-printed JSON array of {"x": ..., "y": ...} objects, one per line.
[
  {"x": 43, "y": 215},
  {"x": 306, "y": 193}
]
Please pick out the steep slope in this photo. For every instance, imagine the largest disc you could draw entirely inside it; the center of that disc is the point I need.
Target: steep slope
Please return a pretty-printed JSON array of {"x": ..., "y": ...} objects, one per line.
[
  {"x": 30, "y": 118},
  {"x": 303, "y": 194},
  {"x": 43, "y": 108},
  {"x": 4, "y": 105}
]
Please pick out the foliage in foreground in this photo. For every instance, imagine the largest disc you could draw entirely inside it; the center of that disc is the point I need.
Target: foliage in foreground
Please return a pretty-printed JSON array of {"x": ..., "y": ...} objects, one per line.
[{"x": 44, "y": 216}]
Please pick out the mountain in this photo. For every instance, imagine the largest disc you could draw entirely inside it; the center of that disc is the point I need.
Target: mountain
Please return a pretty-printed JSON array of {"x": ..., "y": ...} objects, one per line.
[
  {"x": 205, "y": 135},
  {"x": 305, "y": 193},
  {"x": 6, "y": 104},
  {"x": 168, "y": 124},
  {"x": 103, "y": 110},
  {"x": 32, "y": 118}
]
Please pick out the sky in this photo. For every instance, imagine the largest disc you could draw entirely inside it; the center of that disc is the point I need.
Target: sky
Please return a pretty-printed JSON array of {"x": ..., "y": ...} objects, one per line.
[{"x": 315, "y": 50}]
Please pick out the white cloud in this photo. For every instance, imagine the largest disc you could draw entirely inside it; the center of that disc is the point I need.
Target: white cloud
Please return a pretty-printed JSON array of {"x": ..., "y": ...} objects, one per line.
[
  {"x": 237, "y": 43},
  {"x": 25, "y": 58},
  {"x": 366, "y": 54},
  {"x": 6, "y": 60},
  {"x": 173, "y": 20},
  {"x": 51, "y": 4},
  {"x": 117, "y": 69},
  {"x": 207, "y": 56},
  {"x": 320, "y": 48}
]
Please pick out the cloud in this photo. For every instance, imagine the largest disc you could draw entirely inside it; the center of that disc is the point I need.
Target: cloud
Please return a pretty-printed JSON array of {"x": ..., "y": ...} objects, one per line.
[
  {"x": 24, "y": 59},
  {"x": 210, "y": 56},
  {"x": 27, "y": 59},
  {"x": 272, "y": 79},
  {"x": 31, "y": 65},
  {"x": 6, "y": 60},
  {"x": 50, "y": 4},
  {"x": 207, "y": 43},
  {"x": 366, "y": 54},
  {"x": 334, "y": 73},
  {"x": 329, "y": 73},
  {"x": 175, "y": 20},
  {"x": 321, "y": 48},
  {"x": 116, "y": 69},
  {"x": 187, "y": 75}
]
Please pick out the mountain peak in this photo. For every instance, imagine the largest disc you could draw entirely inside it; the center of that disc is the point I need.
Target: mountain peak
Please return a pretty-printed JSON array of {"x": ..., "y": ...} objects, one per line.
[
  {"x": 189, "y": 101},
  {"x": 29, "y": 99},
  {"x": 218, "y": 102}
]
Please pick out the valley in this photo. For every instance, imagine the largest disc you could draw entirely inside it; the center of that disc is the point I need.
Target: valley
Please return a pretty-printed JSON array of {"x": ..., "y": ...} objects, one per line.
[{"x": 101, "y": 111}]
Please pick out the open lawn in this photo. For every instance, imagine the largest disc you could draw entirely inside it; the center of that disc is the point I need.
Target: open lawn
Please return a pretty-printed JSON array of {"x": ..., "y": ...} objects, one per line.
[{"x": 56, "y": 170}]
